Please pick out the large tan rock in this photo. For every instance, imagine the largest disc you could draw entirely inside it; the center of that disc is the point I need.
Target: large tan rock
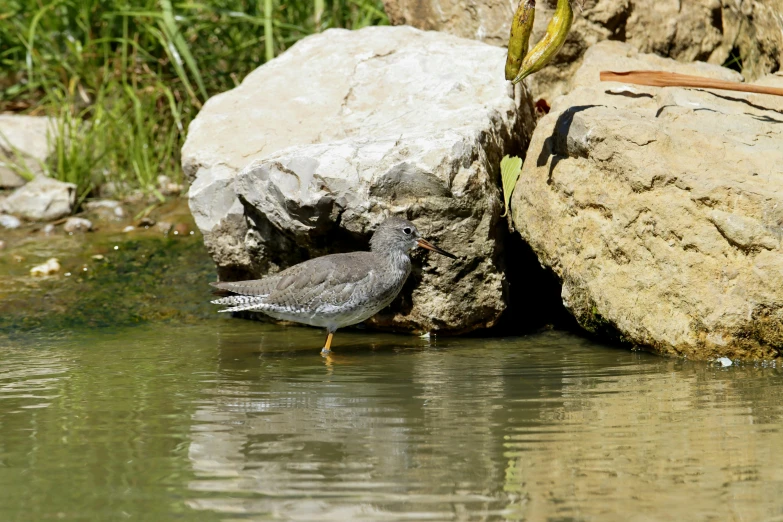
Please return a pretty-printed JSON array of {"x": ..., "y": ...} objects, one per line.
[
  {"x": 685, "y": 31},
  {"x": 311, "y": 152},
  {"x": 488, "y": 21},
  {"x": 752, "y": 30},
  {"x": 708, "y": 30},
  {"x": 661, "y": 209}
]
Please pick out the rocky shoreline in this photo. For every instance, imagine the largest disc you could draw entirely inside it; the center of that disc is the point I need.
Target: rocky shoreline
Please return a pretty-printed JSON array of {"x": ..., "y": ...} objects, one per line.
[
  {"x": 123, "y": 271},
  {"x": 389, "y": 127}
]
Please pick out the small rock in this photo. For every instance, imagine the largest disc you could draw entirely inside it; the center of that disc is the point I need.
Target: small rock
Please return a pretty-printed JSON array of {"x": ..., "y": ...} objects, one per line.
[
  {"x": 109, "y": 190},
  {"x": 42, "y": 199},
  {"x": 167, "y": 187},
  {"x": 725, "y": 361},
  {"x": 108, "y": 209},
  {"x": 10, "y": 222},
  {"x": 181, "y": 229},
  {"x": 52, "y": 266},
  {"x": 2, "y": 244},
  {"x": 129, "y": 228},
  {"x": 135, "y": 197},
  {"x": 97, "y": 257},
  {"x": 102, "y": 203},
  {"x": 76, "y": 224},
  {"x": 146, "y": 222},
  {"x": 48, "y": 229},
  {"x": 164, "y": 226},
  {"x": 172, "y": 189},
  {"x": 745, "y": 232}
]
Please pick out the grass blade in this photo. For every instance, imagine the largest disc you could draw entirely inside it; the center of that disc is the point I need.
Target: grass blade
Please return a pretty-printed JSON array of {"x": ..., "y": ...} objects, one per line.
[
  {"x": 174, "y": 35},
  {"x": 269, "y": 37},
  {"x": 318, "y": 8},
  {"x": 176, "y": 61}
]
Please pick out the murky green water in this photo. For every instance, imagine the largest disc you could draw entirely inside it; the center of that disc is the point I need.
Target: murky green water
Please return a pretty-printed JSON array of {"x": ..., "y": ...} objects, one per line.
[
  {"x": 125, "y": 396},
  {"x": 236, "y": 420}
]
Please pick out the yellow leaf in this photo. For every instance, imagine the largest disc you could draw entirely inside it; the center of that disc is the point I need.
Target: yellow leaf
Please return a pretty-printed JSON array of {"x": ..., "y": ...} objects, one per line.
[{"x": 510, "y": 168}]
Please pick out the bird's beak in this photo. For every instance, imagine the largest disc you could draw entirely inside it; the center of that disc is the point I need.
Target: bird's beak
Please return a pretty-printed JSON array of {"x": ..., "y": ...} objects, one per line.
[{"x": 429, "y": 246}]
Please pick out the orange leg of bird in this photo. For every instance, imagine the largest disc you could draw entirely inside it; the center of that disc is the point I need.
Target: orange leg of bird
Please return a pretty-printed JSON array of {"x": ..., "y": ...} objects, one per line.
[{"x": 327, "y": 347}]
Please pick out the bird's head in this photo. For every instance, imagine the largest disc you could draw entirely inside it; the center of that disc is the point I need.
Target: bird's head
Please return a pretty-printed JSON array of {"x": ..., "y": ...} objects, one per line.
[{"x": 400, "y": 234}]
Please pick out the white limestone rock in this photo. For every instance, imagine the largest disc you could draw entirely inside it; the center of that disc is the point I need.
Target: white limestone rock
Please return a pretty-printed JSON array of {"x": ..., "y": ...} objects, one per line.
[
  {"x": 42, "y": 199},
  {"x": 313, "y": 149}
]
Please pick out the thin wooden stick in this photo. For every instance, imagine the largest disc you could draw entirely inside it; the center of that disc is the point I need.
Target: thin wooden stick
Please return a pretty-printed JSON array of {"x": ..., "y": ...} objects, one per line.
[{"x": 667, "y": 79}]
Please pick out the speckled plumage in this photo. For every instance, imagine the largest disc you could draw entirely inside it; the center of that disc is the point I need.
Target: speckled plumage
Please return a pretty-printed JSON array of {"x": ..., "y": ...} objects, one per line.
[{"x": 336, "y": 290}]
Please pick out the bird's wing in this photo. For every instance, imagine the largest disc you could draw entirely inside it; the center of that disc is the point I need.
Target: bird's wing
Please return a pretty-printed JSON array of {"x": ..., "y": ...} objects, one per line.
[
  {"x": 328, "y": 280},
  {"x": 254, "y": 287}
]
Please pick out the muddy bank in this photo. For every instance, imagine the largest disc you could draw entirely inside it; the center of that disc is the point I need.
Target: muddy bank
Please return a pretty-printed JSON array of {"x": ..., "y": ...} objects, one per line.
[{"x": 107, "y": 277}]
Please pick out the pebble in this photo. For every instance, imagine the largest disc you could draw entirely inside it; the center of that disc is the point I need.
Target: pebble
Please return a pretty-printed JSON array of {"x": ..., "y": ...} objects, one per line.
[
  {"x": 109, "y": 190},
  {"x": 106, "y": 207},
  {"x": 52, "y": 266},
  {"x": 2, "y": 244},
  {"x": 164, "y": 226},
  {"x": 725, "y": 361},
  {"x": 76, "y": 224},
  {"x": 48, "y": 229},
  {"x": 129, "y": 228},
  {"x": 146, "y": 222},
  {"x": 167, "y": 187},
  {"x": 10, "y": 222},
  {"x": 181, "y": 229}
]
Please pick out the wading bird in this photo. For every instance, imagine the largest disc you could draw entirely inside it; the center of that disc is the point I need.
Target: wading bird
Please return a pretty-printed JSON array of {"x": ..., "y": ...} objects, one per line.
[{"x": 335, "y": 290}]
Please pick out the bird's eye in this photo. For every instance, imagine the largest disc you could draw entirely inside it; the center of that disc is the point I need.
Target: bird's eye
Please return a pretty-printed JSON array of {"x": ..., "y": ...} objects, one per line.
[{"x": 407, "y": 230}]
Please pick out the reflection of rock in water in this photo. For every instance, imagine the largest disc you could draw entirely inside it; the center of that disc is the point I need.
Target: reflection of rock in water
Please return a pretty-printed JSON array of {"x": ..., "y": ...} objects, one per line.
[
  {"x": 653, "y": 446},
  {"x": 368, "y": 436}
]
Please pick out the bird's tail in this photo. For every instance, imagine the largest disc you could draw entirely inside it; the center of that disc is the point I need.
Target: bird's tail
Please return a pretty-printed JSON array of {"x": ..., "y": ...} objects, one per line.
[{"x": 238, "y": 303}]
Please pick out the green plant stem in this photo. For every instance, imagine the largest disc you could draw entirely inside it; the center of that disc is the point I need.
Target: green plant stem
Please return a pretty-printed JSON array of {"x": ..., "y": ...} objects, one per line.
[
  {"x": 269, "y": 38},
  {"x": 319, "y": 11}
]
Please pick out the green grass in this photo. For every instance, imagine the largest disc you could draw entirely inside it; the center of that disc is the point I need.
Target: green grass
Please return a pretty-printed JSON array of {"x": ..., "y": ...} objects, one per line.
[
  {"x": 123, "y": 79},
  {"x": 734, "y": 61}
]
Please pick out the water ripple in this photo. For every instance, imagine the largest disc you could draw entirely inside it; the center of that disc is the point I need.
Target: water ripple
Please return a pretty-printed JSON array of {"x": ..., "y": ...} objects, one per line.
[{"x": 241, "y": 421}]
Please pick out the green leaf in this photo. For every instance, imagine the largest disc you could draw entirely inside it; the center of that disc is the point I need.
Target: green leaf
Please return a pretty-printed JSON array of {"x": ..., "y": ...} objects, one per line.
[{"x": 510, "y": 168}]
